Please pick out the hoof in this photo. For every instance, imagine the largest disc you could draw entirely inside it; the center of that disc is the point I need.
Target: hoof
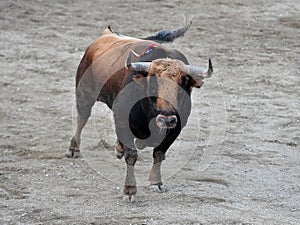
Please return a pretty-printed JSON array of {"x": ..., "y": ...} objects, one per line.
[
  {"x": 69, "y": 154},
  {"x": 73, "y": 154},
  {"x": 119, "y": 154},
  {"x": 158, "y": 188},
  {"x": 73, "y": 149},
  {"x": 129, "y": 198},
  {"x": 119, "y": 151}
]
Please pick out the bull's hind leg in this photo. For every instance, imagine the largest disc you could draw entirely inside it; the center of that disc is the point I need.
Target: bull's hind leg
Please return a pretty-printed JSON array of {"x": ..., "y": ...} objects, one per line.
[
  {"x": 84, "y": 102},
  {"x": 74, "y": 151}
]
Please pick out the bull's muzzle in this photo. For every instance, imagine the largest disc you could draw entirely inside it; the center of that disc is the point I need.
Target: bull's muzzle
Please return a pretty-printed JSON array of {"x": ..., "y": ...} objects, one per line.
[{"x": 166, "y": 122}]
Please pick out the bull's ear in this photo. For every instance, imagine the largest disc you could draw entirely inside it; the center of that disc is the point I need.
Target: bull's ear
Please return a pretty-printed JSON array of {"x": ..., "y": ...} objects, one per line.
[
  {"x": 197, "y": 82},
  {"x": 138, "y": 78},
  {"x": 198, "y": 74},
  {"x": 132, "y": 57}
]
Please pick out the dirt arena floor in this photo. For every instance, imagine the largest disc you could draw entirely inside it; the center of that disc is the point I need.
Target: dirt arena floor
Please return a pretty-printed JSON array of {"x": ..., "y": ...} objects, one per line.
[{"x": 237, "y": 161}]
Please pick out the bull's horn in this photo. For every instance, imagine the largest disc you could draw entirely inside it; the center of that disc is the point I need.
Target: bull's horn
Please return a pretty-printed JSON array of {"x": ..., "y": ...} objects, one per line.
[
  {"x": 136, "y": 66},
  {"x": 140, "y": 66},
  {"x": 198, "y": 72}
]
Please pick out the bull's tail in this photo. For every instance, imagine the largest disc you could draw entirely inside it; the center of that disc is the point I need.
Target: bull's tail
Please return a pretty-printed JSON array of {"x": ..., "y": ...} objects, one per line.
[{"x": 169, "y": 35}]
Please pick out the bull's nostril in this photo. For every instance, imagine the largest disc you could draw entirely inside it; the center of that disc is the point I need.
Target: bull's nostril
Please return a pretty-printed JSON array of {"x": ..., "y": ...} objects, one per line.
[
  {"x": 161, "y": 121},
  {"x": 172, "y": 120},
  {"x": 166, "y": 121}
]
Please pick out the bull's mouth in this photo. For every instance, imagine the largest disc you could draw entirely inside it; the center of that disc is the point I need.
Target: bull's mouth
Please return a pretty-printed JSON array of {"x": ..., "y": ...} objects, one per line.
[{"x": 166, "y": 122}]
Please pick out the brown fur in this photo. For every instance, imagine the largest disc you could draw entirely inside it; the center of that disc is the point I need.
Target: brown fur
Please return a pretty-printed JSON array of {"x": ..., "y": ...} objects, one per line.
[{"x": 168, "y": 70}]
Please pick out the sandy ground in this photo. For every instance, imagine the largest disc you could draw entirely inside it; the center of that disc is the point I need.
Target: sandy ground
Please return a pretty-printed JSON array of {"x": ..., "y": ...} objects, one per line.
[{"x": 237, "y": 161}]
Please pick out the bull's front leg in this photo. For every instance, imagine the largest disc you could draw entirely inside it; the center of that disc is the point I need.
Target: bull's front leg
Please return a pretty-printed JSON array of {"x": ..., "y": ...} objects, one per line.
[
  {"x": 130, "y": 155},
  {"x": 130, "y": 188},
  {"x": 156, "y": 183},
  {"x": 159, "y": 152}
]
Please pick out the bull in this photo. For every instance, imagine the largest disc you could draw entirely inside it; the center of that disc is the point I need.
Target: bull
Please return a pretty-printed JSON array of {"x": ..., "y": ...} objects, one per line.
[{"x": 148, "y": 88}]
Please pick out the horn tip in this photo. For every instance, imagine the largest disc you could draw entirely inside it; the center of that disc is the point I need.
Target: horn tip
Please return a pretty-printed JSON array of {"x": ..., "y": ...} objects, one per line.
[{"x": 210, "y": 66}]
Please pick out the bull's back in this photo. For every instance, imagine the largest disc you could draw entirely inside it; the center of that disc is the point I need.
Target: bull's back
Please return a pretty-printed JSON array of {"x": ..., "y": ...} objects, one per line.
[
  {"x": 105, "y": 60},
  {"x": 100, "y": 48}
]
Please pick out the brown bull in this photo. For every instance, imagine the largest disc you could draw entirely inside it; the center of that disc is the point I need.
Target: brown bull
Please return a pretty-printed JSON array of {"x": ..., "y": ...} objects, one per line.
[{"x": 148, "y": 88}]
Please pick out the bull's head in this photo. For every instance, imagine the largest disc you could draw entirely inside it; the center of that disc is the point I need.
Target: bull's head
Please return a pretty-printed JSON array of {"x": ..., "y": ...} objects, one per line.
[{"x": 165, "y": 78}]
